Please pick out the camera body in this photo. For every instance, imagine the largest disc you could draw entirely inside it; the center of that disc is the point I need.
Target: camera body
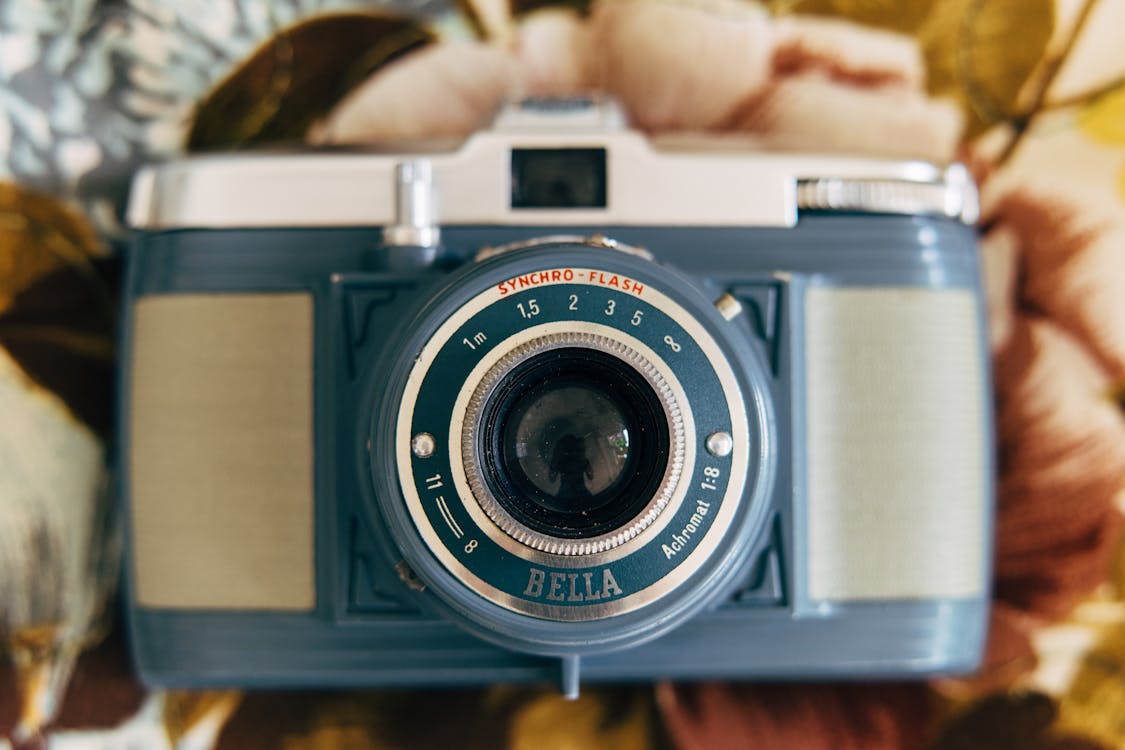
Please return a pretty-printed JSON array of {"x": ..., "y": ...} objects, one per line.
[{"x": 620, "y": 408}]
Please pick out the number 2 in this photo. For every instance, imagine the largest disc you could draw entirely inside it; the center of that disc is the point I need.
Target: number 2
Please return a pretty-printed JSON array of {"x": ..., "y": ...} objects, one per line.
[{"x": 574, "y": 302}]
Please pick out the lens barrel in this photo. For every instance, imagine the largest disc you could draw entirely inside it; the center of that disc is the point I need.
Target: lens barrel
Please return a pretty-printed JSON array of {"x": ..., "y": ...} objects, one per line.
[{"x": 574, "y": 443}]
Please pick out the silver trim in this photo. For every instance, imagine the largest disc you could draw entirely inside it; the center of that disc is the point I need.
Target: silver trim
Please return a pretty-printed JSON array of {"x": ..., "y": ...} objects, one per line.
[
  {"x": 953, "y": 196},
  {"x": 423, "y": 445},
  {"x": 594, "y": 240},
  {"x": 471, "y": 459},
  {"x": 415, "y": 218},
  {"x": 554, "y": 114},
  {"x": 720, "y": 444},
  {"x": 714, "y": 182}
]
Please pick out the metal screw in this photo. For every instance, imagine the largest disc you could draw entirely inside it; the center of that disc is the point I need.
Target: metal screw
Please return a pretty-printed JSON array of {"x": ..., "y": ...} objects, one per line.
[
  {"x": 720, "y": 444},
  {"x": 423, "y": 445}
]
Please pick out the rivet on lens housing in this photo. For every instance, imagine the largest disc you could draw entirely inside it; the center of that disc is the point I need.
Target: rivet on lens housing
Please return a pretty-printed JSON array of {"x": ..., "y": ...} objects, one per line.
[
  {"x": 423, "y": 445},
  {"x": 720, "y": 444}
]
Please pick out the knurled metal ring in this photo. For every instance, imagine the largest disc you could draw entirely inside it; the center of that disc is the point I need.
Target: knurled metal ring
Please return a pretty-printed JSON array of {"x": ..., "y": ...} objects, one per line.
[{"x": 472, "y": 460}]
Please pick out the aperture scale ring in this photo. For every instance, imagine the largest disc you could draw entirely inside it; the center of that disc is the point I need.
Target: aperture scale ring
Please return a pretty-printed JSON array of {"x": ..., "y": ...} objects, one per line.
[{"x": 472, "y": 460}]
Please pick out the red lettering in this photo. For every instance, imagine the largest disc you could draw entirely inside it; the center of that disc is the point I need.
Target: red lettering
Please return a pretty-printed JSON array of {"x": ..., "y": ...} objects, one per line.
[
  {"x": 613, "y": 281},
  {"x": 548, "y": 277}
]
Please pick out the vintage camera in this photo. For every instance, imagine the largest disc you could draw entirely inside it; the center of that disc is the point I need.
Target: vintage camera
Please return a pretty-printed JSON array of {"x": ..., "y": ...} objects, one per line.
[{"x": 624, "y": 407}]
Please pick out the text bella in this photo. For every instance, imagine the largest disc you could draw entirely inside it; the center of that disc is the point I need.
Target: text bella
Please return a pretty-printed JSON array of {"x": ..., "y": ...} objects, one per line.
[{"x": 571, "y": 587}]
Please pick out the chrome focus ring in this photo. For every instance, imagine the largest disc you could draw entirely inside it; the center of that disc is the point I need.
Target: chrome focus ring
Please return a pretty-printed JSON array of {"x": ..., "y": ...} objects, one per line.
[{"x": 473, "y": 460}]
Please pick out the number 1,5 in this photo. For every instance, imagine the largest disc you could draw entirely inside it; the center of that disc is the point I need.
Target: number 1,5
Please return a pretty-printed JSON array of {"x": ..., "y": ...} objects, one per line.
[{"x": 530, "y": 310}]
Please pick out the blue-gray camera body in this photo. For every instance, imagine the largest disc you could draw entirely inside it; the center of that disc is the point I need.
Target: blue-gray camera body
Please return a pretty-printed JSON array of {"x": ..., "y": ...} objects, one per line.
[{"x": 619, "y": 408}]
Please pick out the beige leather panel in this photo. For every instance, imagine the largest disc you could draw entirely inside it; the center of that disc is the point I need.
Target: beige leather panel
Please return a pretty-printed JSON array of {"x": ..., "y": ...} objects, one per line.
[
  {"x": 897, "y": 484},
  {"x": 221, "y": 453}
]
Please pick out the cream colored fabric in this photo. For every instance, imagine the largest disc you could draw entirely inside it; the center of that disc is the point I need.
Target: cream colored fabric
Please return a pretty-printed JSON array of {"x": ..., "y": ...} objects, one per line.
[
  {"x": 897, "y": 485},
  {"x": 221, "y": 453}
]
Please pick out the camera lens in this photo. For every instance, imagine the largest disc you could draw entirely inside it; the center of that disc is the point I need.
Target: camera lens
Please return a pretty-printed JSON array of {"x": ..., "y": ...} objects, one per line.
[
  {"x": 573, "y": 443},
  {"x": 570, "y": 441}
]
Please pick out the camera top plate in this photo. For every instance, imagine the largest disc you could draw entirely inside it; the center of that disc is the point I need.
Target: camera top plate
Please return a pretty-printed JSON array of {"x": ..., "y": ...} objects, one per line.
[{"x": 637, "y": 181}]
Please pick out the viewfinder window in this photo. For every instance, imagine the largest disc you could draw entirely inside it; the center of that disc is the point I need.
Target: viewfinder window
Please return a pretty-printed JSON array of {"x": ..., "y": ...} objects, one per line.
[{"x": 558, "y": 178}]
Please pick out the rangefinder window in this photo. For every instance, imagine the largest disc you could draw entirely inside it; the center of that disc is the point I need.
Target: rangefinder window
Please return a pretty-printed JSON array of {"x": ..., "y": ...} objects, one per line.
[{"x": 558, "y": 178}]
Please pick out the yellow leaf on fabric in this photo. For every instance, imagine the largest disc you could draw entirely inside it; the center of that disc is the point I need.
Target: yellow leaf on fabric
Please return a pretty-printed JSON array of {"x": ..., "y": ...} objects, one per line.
[
  {"x": 1104, "y": 120},
  {"x": 1094, "y": 705},
  {"x": 57, "y": 310},
  {"x": 184, "y": 710},
  {"x": 898, "y": 15},
  {"x": 38, "y": 234},
  {"x": 982, "y": 52},
  {"x": 597, "y": 719},
  {"x": 34, "y": 650}
]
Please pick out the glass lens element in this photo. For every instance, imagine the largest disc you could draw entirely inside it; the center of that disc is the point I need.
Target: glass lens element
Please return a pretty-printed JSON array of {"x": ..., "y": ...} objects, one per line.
[
  {"x": 574, "y": 443},
  {"x": 571, "y": 442}
]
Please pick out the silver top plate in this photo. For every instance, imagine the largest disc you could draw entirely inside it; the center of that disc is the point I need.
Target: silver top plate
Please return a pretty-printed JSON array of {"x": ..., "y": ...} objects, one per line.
[{"x": 659, "y": 182}]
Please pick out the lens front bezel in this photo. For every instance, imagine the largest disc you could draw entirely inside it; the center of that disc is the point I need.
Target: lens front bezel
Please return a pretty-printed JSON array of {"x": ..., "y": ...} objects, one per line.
[{"x": 464, "y": 330}]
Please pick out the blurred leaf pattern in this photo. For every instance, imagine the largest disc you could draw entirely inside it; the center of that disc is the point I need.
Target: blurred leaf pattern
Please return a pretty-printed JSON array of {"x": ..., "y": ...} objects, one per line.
[
  {"x": 58, "y": 550},
  {"x": 983, "y": 52},
  {"x": 980, "y": 53},
  {"x": 906, "y": 16},
  {"x": 38, "y": 235},
  {"x": 297, "y": 76},
  {"x": 224, "y": 74},
  {"x": 1103, "y": 120}
]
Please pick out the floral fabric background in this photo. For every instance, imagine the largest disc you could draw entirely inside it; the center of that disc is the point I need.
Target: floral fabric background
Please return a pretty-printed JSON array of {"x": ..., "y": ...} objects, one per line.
[{"x": 1029, "y": 93}]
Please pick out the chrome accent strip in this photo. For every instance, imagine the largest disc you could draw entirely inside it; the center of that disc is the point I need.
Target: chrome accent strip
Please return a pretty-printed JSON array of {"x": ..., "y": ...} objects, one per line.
[{"x": 953, "y": 195}]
